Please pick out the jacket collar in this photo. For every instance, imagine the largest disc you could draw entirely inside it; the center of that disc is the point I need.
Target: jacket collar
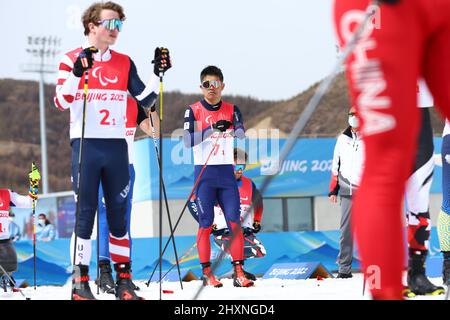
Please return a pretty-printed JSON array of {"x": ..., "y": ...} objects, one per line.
[{"x": 98, "y": 56}]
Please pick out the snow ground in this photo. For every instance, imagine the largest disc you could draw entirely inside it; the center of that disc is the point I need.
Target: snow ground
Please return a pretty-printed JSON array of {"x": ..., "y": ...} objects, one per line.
[{"x": 270, "y": 289}]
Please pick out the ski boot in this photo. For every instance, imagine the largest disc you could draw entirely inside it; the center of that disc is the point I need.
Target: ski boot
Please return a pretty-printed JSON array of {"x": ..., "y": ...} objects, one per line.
[
  {"x": 80, "y": 283},
  {"x": 136, "y": 288},
  {"x": 418, "y": 282},
  {"x": 106, "y": 281},
  {"x": 342, "y": 275},
  {"x": 124, "y": 285},
  {"x": 249, "y": 275},
  {"x": 208, "y": 277},
  {"x": 239, "y": 278},
  {"x": 446, "y": 271}
]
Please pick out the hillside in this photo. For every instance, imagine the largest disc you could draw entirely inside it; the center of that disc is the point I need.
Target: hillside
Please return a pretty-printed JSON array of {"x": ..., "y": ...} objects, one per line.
[
  {"x": 329, "y": 118},
  {"x": 20, "y": 133}
]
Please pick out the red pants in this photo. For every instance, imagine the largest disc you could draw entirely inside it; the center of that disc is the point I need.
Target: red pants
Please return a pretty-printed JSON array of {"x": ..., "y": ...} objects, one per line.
[{"x": 406, "y": 41}]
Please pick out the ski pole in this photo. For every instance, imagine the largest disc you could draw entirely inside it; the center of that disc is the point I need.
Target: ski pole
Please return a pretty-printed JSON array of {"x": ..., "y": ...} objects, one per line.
[
  {"x": 186, "y": 204},
  {"x": 160, "y": 178},
  {"x": 80, "y": 161},
  {"x": 181, "y": 259},
  {"x": 307, "y": 112},
  {"x": 34, "y": 242},
  {"x": 98, "y": 250},
  {"x": 33, "y": 206},
  {"x": 164, "y": 192}
]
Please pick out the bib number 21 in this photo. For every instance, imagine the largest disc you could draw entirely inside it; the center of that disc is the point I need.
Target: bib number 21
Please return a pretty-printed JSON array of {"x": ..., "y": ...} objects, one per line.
[{"x": 105, "y": 120}]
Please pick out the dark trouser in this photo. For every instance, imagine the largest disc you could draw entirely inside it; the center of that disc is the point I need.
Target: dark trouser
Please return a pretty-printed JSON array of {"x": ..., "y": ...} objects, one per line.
[
  {"x": 103, "y": 223},
  {"x": 105, "y": 161},
  {"x": 345, "y": 256},
  {"x": 218, "y": 185}
]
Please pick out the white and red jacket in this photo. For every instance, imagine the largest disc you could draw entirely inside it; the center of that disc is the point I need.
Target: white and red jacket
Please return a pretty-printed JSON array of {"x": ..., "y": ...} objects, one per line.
[
  {"x": 224, "y": 149},
  {"x": 112, "y": 76},
  {"x": 347, "y": 165}
]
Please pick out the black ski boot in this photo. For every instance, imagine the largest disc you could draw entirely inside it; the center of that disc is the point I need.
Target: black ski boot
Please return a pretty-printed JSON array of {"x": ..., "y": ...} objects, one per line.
[
  {"x": 136, "y": 288},
  {"x": 446, "y": 269},
  {"x": 418, "y": 282},
  {"x": 80, "y": 283},
  {"x": 249, "y": 275},
  {"x": 106, "y": 281},
  {"x": 342, "y": 275},
  {"x": 124, "y": 285}
]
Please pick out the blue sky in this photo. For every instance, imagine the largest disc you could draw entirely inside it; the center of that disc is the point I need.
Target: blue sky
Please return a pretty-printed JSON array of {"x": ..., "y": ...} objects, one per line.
[{"x": 267, "y": 49}]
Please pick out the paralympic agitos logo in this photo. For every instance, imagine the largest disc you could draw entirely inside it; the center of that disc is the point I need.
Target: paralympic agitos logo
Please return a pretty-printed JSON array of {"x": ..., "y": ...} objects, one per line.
[{"x": 97, "y": 73}]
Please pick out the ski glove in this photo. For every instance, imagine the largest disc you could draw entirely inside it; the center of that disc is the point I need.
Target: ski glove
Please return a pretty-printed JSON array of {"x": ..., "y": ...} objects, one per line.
[
  {"x": 162, "y": 60},
  {"x": 34, "y": 176},
  {"x": 222, "y": 125},
  {"x": 256, "y": 227},
  {"x": 84, "y": 62}
]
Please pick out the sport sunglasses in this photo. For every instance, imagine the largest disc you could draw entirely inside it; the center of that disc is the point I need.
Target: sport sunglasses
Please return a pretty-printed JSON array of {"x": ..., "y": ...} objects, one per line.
[
  {"x": 111, "y": 24},
  {"x": 213, "y": 84}
]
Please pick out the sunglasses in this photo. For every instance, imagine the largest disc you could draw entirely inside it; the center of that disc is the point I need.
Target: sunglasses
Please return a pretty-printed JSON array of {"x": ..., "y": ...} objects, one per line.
[
  {"x": 213, "y": 84},
  {"x": 239, "y": 167},
  {"x": 352, "y": 113},
  {"x": 112, "y": 24}
]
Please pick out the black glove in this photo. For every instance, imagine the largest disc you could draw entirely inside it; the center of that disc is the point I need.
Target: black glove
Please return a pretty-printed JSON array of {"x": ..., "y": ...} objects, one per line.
[
  {"x": 162, "y": 60},
  {"x": 256, "y": 227},
  {"x": 222, "y": 125},
  {"x": 389, "y": 1},
  {"x": 84, "y": 61}
]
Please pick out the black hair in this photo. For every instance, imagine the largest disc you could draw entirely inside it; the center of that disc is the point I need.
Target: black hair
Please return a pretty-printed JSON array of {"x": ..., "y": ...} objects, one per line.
[
  {"x": 211, "y": 71},
  {"x": 238, "y": 153}
]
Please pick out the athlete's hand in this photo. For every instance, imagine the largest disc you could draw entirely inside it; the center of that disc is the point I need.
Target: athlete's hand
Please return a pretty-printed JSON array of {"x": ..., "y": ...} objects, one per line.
[
  {"x": 84, "y": 62},
  {"x": 222, "y": 125},
  {"x": 256, "y": 227},
  {"x": 333, "y": 198},
  {"x": 162, "y": 60}
]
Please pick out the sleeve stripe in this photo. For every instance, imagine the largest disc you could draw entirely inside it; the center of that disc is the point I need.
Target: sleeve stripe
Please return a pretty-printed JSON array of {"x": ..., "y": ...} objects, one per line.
[
  {"x": 152, "y": 86},
  {"x": 65, "y": 67},
  {"x": 67, "y": 62},
  {"x": 58, "y": 104},
  {"x": 68, "y": 97},
  {"x": 63, "y": 74}
]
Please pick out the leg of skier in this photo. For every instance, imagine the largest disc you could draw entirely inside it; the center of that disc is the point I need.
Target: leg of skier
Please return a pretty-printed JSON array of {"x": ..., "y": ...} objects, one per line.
[
  {"x": 444, "y": 214},
  {"x": 418, "y": 214},
  {"x": 382, "y": 78},
  {"x": 116, "y": 186},
  {"x": 436, "y": 70},
  {"x": 105, "y": 281},
  {"x": 88, "y": 206},
  {"x": 229, "y": 200},
  {"x": 129, "y": 208},
  {"x": 206, "y": 198}
]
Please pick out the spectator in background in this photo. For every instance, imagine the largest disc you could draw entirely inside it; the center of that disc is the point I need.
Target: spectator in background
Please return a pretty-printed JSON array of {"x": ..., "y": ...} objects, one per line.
[
  {"x": 14, "y": 230},
  {"x": 45, "y": 230},
  {"x": 345, "y": 176}
]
